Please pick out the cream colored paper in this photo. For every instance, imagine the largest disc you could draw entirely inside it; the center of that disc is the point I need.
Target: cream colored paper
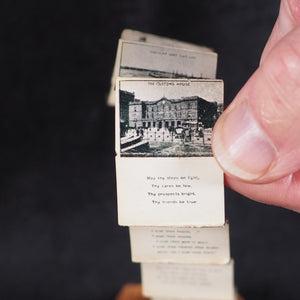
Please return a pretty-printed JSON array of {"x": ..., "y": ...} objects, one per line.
[
  {"x": 193, "y": 281},
  {"x": 138, "y": 36},
  {"x": 165, "y": 178},
  {"x": 205, "y": 245},
  {"x": 138, "y": 59},
  {"x": 234, "y": 298},
  {"x": 170, "y": 192},
  {"x": 165, "y": 61},
  {"x": 159, "y": 298}
]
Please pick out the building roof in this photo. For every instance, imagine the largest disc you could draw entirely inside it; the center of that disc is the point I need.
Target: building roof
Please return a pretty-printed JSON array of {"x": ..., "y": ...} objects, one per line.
[{"x": 182, "y": 99}]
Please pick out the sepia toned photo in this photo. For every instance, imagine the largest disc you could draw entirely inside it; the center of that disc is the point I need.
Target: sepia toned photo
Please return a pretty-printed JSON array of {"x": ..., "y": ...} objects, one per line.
[{"x": 168, "y": 118}]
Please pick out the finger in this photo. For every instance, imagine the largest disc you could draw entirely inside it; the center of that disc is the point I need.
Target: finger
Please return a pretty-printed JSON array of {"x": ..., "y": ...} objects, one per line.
[
  {"x": 257, "y": 137},
  {"x": 284, "y": 192},
  {"x": 288, "y": 19}
]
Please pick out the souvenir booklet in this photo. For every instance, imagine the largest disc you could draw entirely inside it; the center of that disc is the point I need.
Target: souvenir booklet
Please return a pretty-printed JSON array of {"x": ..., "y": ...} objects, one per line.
[
  {"x": 170, "y": 189},
  {"x": 166, "y": 173}
]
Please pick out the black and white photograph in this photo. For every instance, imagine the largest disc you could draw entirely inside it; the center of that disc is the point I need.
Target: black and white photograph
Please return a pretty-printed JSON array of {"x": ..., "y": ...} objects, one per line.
[
  {"x": 139, "y": 59},
  {"x": 168, "y": 118},
  {"x": 141, "y": 54}
]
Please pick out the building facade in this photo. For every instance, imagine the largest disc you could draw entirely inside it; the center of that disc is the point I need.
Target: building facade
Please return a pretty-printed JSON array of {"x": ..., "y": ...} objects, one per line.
[{"x": 169, "y": 113}]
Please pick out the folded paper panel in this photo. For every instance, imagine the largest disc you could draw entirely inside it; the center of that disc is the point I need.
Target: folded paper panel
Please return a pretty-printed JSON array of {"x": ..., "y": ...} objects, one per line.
[
  {"x": 193, "y": 281},
  {"x": 205, "y": 245},
  {"x": 170, "y": 192}
]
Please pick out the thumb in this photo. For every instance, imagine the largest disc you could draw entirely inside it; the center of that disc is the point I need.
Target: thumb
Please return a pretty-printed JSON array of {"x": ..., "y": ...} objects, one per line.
[
  {"x": 257, "y": 138},
  {"x": 288, "y": 19}
]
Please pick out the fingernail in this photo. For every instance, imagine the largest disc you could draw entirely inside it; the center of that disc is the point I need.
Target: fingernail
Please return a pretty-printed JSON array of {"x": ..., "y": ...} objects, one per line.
[{"x": 240, "y": 146}]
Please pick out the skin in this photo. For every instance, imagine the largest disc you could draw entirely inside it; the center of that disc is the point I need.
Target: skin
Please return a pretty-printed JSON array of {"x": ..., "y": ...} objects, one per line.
[
  {"x": 257, "y": 139},
  {"x": 269, "y": 171}
]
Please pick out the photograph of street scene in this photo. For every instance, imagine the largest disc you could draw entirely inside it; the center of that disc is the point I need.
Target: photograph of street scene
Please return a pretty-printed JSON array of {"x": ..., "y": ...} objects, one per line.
[{"x": 166, "y": 127}]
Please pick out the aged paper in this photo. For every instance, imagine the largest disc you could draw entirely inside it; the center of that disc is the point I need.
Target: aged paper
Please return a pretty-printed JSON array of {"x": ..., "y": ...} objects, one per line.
[
  {"x": 148, "y": 60},
  {"x": 138, "y": 36},
  {"x": 170, "y": 192},
  {"x": 170, "y": 188},
  {"x": 166, "y": 173},
  {"x": 193, "y": 281},
  {"x": 136, "y": 59},
  {"x": 236, "y": 297},
  {"x": 205, "y": 245}
]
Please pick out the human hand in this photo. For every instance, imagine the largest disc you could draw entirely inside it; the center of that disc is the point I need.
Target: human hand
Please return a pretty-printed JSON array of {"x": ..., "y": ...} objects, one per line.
[{"x": 257, "y": 139}]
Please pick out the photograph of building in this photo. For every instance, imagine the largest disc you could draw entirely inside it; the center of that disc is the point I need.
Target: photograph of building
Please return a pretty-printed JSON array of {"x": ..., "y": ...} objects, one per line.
[{"x": 166, "y": 127}]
